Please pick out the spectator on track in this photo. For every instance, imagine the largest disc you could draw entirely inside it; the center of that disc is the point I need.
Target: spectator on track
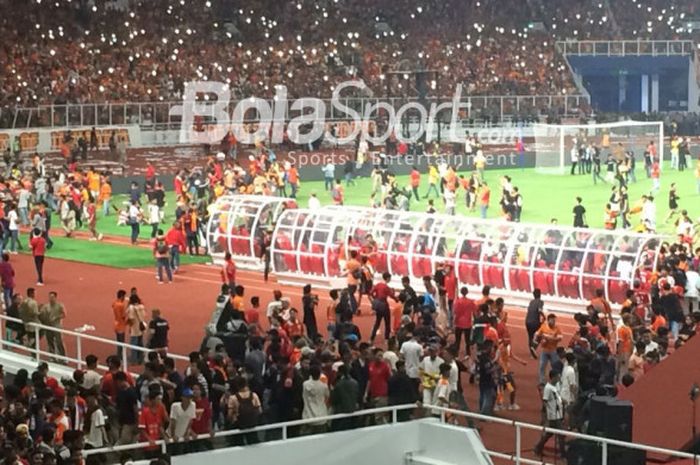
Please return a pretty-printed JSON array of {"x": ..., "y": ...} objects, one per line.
[
  {"x": 52, "y": 314},
  {"x": 38, "y": 246},
  {"x": 135, "y": 315}
]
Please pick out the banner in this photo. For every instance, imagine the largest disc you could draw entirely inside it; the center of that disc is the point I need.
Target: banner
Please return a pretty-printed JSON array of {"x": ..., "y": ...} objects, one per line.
[{"x": 51, "y": 140}]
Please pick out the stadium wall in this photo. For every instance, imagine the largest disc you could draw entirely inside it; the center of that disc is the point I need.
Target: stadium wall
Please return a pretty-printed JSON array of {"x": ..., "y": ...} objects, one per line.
[{"x": 427, "y": 439}]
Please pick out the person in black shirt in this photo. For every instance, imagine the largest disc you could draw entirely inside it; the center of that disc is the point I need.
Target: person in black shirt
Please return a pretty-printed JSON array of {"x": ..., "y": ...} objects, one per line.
[
  {"x": 310, "y": 302},
  {"x": 533, "y": 319},
  {"x": 127, "y": 409},
  {"x": 158, "y": 329},
  {"x": 579, "y": 214},
  {"x": 486, "y": 369},
  {"x": 409, "y": 297},
  {"x": 402, "y": 390},
  {"x": 671, "y": 305}
]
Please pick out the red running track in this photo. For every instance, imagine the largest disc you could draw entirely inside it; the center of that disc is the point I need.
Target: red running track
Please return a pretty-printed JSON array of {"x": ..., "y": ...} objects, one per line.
[{"x": 88, "y": 291}]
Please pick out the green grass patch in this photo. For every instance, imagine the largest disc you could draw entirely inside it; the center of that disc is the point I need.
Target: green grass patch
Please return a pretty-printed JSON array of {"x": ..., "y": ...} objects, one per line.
[
  {"x": 545, "y": 196},
  {"x": 101, "y": 253}
]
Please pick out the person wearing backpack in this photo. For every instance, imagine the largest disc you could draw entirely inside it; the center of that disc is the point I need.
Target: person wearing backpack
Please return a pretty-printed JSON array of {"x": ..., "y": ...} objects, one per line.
[
  {"x": 161, "y": 252},
  {"x": 243, "y": 410}
]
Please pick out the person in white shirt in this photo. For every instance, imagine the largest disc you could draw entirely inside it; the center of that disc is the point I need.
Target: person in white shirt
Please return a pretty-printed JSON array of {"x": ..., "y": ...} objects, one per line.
[
  {"x": 692, "y": 290},
  {"x": 316, "y": 395},
  {"x": 96, "y": 435},
  {"x": 314, "y": 203},
  {"x": 450, "y": 197},
  {"x": 554, "y": 409},
  {"x": 412, "y": 353},
  {"x": 430, "y": 374},
  {"x": 91, "y": 378},
  {"x": 153, "y": 217},
  {"x": 649, "y": 213},
  {"x": 181, "y": 415},
  {"x": 13, "y": 221},
  {"x": 390, "y": 355},
  {"x": 569, "y": 381}
]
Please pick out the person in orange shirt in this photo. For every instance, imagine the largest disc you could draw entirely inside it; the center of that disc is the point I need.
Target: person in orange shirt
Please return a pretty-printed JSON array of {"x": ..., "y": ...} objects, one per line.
[
  {"x": 293, "y": 180},
  {"x": 237, "y": 299},
  {"x": 601, "y": 305},
  {"x": 658, "y": 321},
  {"x": 119, "y": 310},
  {"x": 549, "y": 336},
  {"x": 625, "y": 345},
  {"x": 294, "y": 327},
  {"x": 353, "y": 272},
  {"x": 105, "y": 197},
  {"x": 331, "y": 316},
  {"x": 415, "y": 182}
]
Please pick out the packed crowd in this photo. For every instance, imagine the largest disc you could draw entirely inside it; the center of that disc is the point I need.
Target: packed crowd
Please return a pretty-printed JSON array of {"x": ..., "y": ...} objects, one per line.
[
  {"x": 63, "y": 52},
  {"x": 271, "y": 362}
]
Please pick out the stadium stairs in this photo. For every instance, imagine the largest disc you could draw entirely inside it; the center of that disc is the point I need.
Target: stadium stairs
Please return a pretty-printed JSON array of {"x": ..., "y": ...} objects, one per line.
[{"x": 663, "y": 411}]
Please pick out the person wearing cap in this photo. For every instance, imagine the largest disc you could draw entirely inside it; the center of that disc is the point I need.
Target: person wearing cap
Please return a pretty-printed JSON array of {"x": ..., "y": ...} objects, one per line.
[
  {"x": 181, "y": 415},
  {"x": 549, "y": 336}
]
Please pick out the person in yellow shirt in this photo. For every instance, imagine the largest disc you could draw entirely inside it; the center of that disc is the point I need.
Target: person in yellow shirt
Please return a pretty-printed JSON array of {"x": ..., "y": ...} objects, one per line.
[
  {"x": 433, "y": 179},
  {"x": 93, "y": 181},
  {"x": 675, "y": 145}
]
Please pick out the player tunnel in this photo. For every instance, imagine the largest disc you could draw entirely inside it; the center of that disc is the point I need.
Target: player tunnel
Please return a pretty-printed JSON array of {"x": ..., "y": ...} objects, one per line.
[
  {"x": 237, "y": 224},
  {"x": 567, "y": 264}
]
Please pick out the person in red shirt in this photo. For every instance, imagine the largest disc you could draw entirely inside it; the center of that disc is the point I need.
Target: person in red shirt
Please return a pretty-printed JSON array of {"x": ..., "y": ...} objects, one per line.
[
  {"x": 294, "y": 327},
  {"x": 465, "y": 310},
  {"x": 109, "y": 386},
  {"x": 153, "y": 420},
  {"x": 380, "y": 294},
  {"x": 175, "y": 239},
  {"x": 377, "y": 392},
  {"x": 415, "y": 182},
  {"x": 178, "y": 185},
  {"x": 150, "y": 175},
  {"x": 202, "y": 421},
  {"x": 38, "y": 245},
  {"x": 252, "y": 315},
  {"x": 228, "y": 271},
  {"x": 450, "y": 283}
]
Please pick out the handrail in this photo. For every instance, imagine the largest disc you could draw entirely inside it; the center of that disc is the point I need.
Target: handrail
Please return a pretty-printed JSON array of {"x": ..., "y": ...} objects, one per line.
[
  {"x": 37, "y": 352},
  {"x": 443, "y": 411},
  {"x": 150, "y": 115},
  {"x": 625, "y": 47}
]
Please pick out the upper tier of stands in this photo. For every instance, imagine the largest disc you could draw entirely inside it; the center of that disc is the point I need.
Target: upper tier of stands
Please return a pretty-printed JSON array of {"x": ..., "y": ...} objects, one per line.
[{"x": 123, "y": 50}]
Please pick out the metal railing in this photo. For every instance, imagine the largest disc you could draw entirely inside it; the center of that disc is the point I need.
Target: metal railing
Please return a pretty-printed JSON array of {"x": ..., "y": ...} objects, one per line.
[
  {"x": 620, "y": 48},
  {"x": 37, "y": 330},
  {"x": 149, "y": 115},
  {"x": 392, "y": 413}
]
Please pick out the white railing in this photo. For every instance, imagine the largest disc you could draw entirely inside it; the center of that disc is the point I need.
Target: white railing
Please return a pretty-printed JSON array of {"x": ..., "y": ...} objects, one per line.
[
  {"x": 608, "y": 48},
  {"x": 393, "y": 413},
  {"x": 80, "y": 339},
  {"x": 154, "y": 115}
]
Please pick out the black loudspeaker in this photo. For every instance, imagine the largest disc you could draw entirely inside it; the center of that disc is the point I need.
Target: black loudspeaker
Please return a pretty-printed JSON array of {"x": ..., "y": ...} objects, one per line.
[
  {"x": 610, "y": 418},
  {"x": 582, "y": 452}
]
